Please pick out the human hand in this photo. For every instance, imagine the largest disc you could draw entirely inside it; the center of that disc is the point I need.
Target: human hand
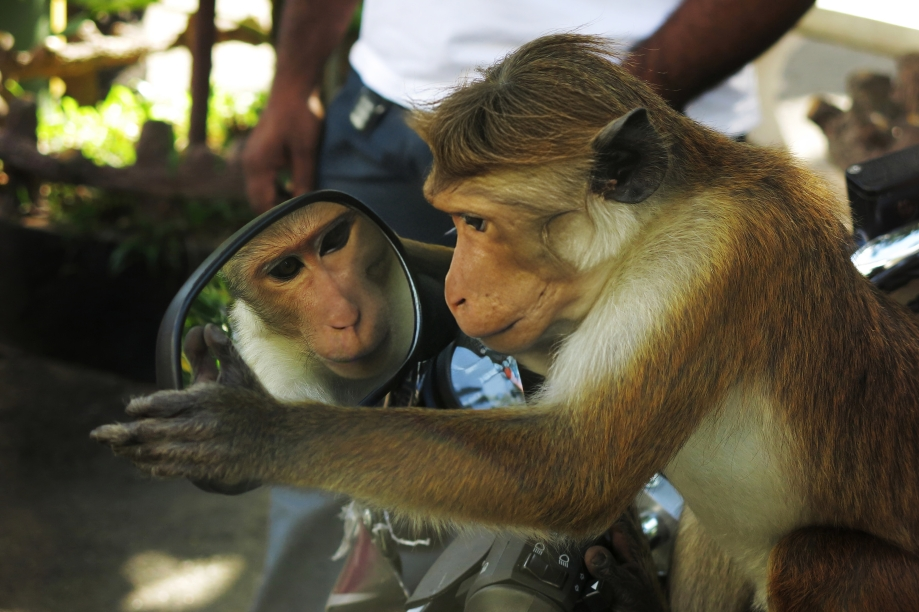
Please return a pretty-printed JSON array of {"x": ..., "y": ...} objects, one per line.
[{"x": 287, "y": 136}]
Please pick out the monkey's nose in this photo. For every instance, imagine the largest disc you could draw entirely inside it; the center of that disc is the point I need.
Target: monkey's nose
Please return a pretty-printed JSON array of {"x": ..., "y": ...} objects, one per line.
[
  {"x": 455, "y": 305},
  {"x": 342, "y": 315},
  {"x": 340, "y": 325},
  {"x": 453, "y": 297}
]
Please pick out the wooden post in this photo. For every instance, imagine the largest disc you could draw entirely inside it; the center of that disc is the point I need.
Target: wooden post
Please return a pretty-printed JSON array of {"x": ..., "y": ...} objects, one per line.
[{"x": 201, "y": 44}]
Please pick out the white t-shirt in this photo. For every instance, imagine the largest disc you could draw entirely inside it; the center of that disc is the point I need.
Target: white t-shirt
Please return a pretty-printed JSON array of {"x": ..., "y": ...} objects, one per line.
[{"x": 414, "y": 51}]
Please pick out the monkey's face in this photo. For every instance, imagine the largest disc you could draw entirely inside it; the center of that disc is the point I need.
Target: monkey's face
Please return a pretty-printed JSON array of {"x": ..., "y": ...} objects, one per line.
[
  {"x": 504, "y": 285},
  {"x": 322, "y": 278}
]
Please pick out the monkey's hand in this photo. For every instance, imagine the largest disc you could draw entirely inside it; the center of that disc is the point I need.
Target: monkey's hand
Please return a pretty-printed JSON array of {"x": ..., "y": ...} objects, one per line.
[
  {"x": 627, "y": 575},
  {"x": 219, "y": 433}
]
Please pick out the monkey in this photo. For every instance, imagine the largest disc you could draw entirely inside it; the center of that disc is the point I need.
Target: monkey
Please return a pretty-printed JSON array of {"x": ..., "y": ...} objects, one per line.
[
  {"x": 320, "y": 303},
  {"x": 691, "y": 302},
  {"x": 701, "y": 576}
]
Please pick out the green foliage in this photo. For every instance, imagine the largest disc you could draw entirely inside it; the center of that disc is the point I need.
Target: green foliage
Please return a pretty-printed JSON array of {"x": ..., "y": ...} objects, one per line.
[
  {"x": 22, "y": 194},
  {"x": 107, "y": 132},
  {"x": 147, "y": 230},
  {"x": 354, "y": 27},
  {"x": 112, "y": 6},
  {"x": 14, "y": 88},
  {"x": 104, "y": 133},
  {"x": 80, "y": 208},
  {"x": 152, "y": 230},
  {"x": 228, "y": 116},
  {"x": 211, "y": 306},
  {"x": 155, "y": 245}
]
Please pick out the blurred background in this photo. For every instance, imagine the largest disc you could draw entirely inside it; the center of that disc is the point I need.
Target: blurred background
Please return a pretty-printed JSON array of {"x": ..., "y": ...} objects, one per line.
[{"x": 121, "y": 127}]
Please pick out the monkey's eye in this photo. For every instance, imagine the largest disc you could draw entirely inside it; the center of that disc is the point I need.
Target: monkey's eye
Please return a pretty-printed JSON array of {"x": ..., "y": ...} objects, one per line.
[
  {"x": 285, "y": 269},
  {"x": 336, "y": 238},
  {"x": 477, "y": 223}
]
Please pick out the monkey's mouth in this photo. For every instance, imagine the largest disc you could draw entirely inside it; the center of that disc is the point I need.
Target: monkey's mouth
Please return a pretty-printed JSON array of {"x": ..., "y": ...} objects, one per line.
[
  {"x": 369, "y": 347},
  {"x": 504, "y": 329},
  {"x": 369, "y": 359}
]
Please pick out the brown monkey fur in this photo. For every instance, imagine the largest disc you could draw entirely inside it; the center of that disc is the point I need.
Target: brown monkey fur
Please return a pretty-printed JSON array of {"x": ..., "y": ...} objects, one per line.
[
  {"x": 692, "y": 302},
  {"x": 702, "y": 576}
]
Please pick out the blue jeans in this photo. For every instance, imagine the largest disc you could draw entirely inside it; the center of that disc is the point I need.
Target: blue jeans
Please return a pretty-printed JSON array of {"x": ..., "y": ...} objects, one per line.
[
  {"x": 384, "y": 167},
  {"x": 304, "y": 531}
]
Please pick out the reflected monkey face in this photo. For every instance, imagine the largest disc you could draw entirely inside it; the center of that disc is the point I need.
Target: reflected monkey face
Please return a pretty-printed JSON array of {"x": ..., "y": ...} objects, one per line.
[{"x": 321, "y": 276}]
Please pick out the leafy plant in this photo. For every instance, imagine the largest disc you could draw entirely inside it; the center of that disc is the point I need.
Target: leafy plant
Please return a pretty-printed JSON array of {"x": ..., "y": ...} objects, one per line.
[
  {"x": 211, "y": 306},
  {"x": 112, "y": 6},
  {"x": 229, "y": 115},
  {"x": 107, "y": 132},
  {"x": 104, "y": 133},
  {"x": 154, "y": 232},
  {"x": 149, "y": 229},
  {"x": 14, "y": 88}
]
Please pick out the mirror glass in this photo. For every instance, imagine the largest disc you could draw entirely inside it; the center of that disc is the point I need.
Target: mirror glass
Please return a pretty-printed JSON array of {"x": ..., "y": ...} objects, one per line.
[
  {"x": 318, "y": 304},
  {"x": 481, "y": 378},
  {"x": 887, "y": 250}
]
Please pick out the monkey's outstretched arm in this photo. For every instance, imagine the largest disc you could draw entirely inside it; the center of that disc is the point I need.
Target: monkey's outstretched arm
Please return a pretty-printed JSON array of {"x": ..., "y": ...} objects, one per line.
[{"x": 569, "y": 469}]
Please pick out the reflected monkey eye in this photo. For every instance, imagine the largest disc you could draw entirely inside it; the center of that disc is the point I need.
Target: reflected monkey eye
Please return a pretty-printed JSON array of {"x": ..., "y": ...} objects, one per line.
[
  {"x": 477, "y": 223},
  {"x": 337, "y": 237},
  {"x": 285, "y": 269}
]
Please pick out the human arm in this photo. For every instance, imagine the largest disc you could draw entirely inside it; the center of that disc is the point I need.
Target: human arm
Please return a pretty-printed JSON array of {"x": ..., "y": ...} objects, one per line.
[
  {"x": 704, "y": 42},
  {"x": 288, "y": 132}
]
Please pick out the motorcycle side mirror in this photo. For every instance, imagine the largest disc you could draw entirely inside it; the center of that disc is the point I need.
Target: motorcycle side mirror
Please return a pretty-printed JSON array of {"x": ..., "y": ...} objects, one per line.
[
  {"x": 315, "y": 295},
  {"x": 890, "y": 260}
]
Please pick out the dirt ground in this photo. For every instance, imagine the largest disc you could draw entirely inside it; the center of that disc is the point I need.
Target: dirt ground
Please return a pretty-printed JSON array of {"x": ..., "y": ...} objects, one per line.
[{"x": 81, "y": 530}]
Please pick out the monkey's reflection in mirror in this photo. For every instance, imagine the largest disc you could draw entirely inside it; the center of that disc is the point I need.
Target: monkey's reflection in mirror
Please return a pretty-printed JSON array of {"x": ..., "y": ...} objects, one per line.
[{"x": 317, "y": 304}]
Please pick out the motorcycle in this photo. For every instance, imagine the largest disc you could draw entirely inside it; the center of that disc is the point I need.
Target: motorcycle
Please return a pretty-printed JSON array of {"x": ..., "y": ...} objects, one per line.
[
  {"x": 884, "y": 198},
  {"x": 430, "y": 363}
]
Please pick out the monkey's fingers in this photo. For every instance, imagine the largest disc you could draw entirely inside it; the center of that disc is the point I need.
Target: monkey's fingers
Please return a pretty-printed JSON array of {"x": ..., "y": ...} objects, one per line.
[
  {"x": 623, "y": 587},
  {"x": 196, "y": 462},
  {"x": 203, "y": 365},
  {"x": 215, "y": 337},
  {"x": 165, "y": 451},
  {"x": 173, "y": 471},
  {"x": 233, "y": 370},
  {"x": 599, "y": 562},
  {"x": 627, "y": 539},
  {"x": 147, "y": 430},
  {"x": 114, "y": 434},
  {"x": 163, "y": 404}
]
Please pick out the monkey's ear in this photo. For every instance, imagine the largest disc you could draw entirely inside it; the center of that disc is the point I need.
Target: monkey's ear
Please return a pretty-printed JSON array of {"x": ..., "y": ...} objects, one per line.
[{"x": 630, "y": 159}]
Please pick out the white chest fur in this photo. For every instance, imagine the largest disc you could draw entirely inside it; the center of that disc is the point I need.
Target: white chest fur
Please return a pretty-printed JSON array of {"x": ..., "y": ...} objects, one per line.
[{"x": 734, "y": 472}]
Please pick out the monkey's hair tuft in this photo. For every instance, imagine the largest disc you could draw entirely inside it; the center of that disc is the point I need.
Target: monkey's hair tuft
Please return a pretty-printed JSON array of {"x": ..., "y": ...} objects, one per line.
[{"x": 542, "y": 104}]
